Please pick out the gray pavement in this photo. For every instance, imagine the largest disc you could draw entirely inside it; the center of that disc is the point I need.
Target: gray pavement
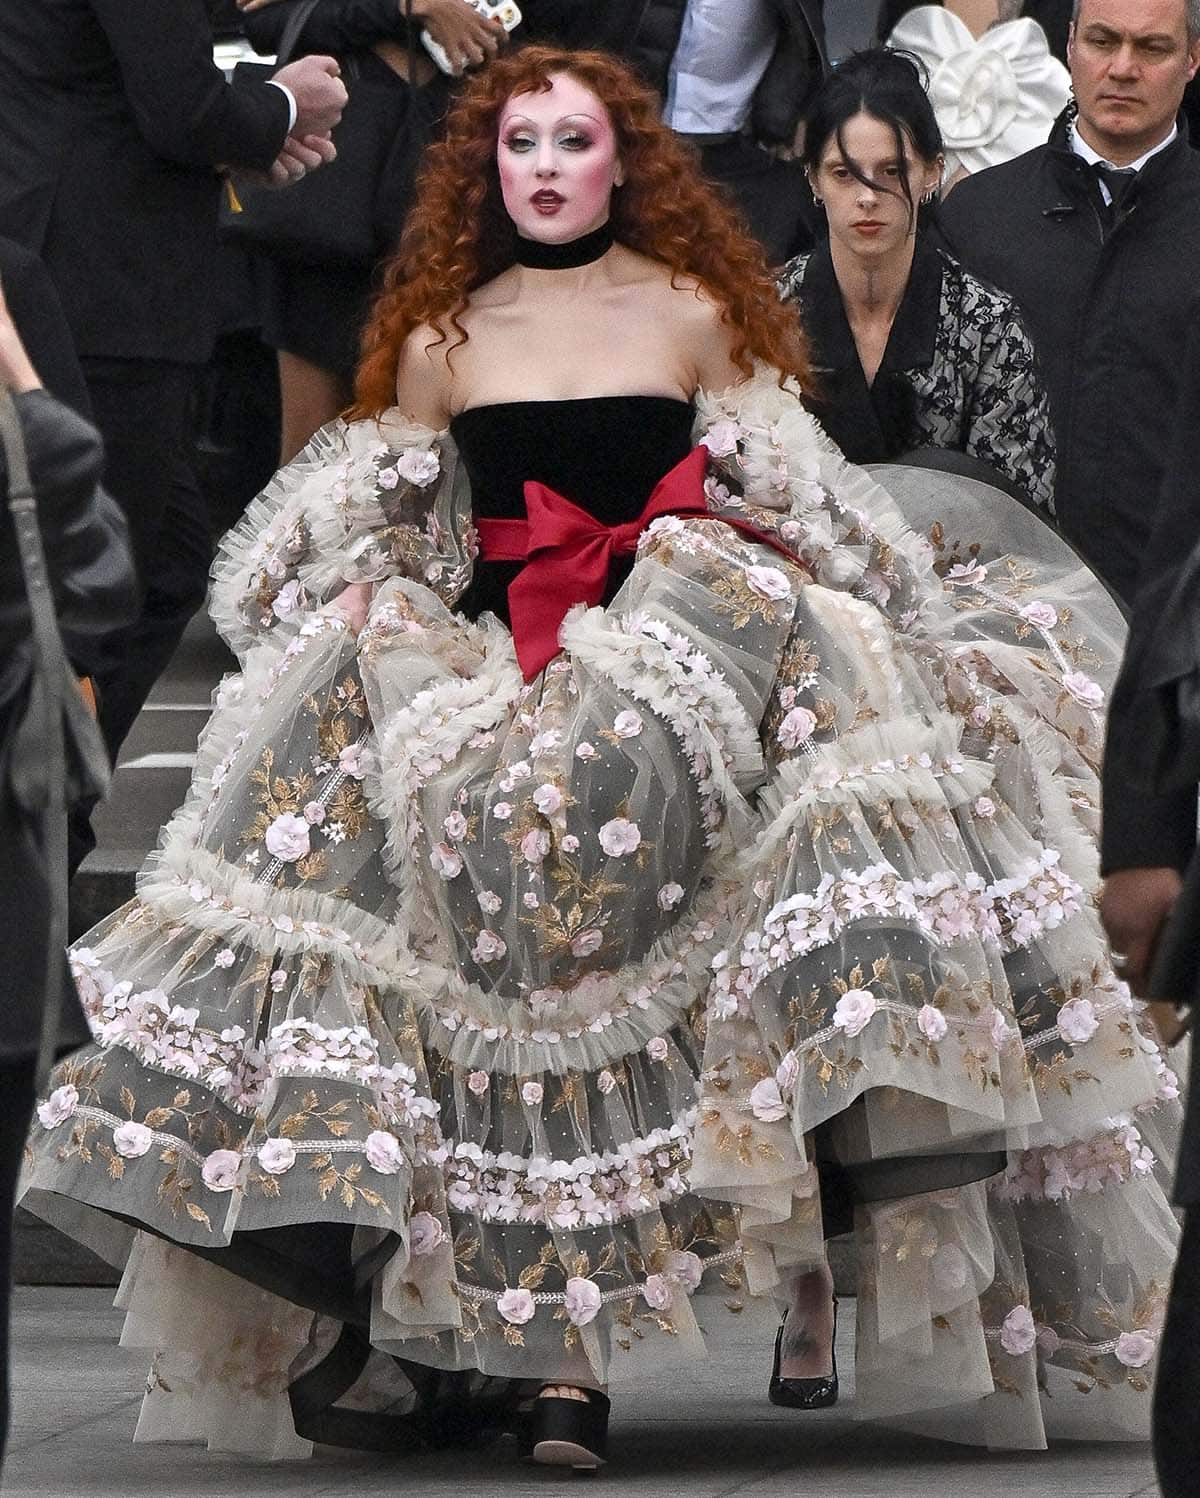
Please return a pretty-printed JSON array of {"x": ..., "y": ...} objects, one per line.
[{"x": 708, "y": 1435}]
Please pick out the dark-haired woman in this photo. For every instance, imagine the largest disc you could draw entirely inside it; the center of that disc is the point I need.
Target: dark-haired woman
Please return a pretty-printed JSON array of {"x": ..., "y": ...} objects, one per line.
[
  {"x": 607, "y": 851},
  {"x": 908, "y": 349}
]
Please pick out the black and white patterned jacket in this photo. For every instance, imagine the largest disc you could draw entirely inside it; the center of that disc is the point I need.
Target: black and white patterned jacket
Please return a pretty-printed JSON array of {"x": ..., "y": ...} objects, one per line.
[{"x": 958, "y": 372}]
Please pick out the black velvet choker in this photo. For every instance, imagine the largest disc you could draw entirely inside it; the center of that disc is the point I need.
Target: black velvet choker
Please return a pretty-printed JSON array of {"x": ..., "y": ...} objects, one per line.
[{"x": 582, "y": 251}]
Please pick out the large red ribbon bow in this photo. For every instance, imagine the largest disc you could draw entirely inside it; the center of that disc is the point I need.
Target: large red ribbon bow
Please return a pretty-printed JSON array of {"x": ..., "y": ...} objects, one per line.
[{"x": 568, "y": 553}]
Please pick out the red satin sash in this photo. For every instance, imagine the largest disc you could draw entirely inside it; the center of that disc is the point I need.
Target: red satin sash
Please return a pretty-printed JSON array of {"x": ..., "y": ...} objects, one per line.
[{"x": 568, "y": 553}]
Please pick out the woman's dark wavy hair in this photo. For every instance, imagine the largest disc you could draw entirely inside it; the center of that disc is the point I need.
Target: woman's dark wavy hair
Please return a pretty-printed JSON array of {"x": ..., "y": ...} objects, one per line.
[
  {"x": 890, "y": 86},
  {"x": 459, "y": 236}
]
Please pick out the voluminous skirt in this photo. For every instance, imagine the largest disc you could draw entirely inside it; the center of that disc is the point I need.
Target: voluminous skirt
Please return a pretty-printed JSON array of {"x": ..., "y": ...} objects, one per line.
[{"x": 496, "y": 1030}]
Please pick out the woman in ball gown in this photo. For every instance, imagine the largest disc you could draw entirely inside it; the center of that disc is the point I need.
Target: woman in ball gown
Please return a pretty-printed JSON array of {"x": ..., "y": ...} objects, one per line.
[{"x": 627, "y": 853}]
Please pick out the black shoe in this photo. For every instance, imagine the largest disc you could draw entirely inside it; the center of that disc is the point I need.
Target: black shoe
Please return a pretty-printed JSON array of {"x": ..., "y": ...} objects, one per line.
[
  {"x": 566, "y": 1432},
  {"x": 804, "y": 1393}
]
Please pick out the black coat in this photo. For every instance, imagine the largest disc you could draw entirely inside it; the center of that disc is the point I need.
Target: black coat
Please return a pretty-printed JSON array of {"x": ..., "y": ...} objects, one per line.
[
  {"x": 1105, "y": 311},
  {"x": 1143, "y": 825},
  {"x": 91, "y": 571},
  {"x": 113, "y": 118}
]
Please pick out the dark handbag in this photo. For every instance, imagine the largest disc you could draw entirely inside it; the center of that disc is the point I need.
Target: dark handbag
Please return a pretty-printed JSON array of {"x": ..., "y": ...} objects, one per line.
[
  {"x": 56, "y": 756},
  {"x": 329, "y": 216}
]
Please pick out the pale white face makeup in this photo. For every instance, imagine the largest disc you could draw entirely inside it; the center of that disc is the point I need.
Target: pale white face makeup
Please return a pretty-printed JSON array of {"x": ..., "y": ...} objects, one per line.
[{"x": 558, "y": 161}]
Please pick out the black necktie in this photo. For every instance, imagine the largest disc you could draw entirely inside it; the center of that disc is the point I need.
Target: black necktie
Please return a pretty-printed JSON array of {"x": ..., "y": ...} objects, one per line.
[{"x": 1118, "y": 180}]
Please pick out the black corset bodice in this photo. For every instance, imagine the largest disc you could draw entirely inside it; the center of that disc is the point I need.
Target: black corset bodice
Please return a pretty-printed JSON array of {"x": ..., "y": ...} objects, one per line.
[{"x": 603, "y": 453}]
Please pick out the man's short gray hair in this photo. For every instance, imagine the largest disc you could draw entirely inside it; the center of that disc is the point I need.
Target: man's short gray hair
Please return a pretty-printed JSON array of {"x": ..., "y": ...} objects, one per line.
[{"x": 1191, "y": 12}]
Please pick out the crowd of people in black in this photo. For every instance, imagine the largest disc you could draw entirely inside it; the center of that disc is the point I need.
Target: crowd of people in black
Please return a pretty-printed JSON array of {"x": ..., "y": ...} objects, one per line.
[{"x": 169, "y": 340}]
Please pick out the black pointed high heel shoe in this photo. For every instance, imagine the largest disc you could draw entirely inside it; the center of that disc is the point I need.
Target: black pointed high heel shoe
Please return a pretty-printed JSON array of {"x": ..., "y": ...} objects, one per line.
[
  {"x": 566, "y": 1432},
  {"x": 804, "y": 1393}
]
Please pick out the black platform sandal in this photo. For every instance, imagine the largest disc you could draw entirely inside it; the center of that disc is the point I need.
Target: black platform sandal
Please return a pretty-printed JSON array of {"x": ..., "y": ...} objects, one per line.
[
  {"x": 804, "y": 1393},
  {"x": 566, "y": 1432}
]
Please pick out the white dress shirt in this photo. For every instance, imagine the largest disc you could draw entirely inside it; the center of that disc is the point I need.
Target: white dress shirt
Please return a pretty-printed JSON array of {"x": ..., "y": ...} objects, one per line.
[
  {"x": 723, "y": 52},
  {"x": 1092, "y": 157}
]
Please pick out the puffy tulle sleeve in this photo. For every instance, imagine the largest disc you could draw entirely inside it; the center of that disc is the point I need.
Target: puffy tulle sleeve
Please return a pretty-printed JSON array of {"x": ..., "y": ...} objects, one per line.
[{"x": 365, "y": 501}]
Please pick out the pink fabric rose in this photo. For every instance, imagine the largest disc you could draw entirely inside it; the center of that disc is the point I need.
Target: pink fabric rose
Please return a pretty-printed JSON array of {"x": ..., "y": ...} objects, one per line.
[
  {"x": 855, "y": 1010},
  {"x": 768, "y": 582},
  {"x": 1135, "y": 1349},
  {"x": 582, "y": 1301},
  {"x": 287, "y": 838},
  {"x": 276, "y": 1156},
  {"x": 1077, "y": 1021},
  {"x": 620, "y": 837},
  {"x": 797, "y": 727},
  {"x": 1018, "y": 1331},
  {"x": 658, "y": 1292},
  {"x": 132, "y": 1140},
  {"x": 383, "y": 1152},
  {"x": 445, "y": 860},
  {"x": 220, "y": 1170},
  {"x": 669, "y": 896},
  {"x": 516, "y": 1306},
  {"x": 425, "y": 1234},
  {"x": 1084, "y": 690},
  {"x": 766, "y": 1103},
  {"x": 932, "y": 1023},
  {"x": 58, "y": 1107}
]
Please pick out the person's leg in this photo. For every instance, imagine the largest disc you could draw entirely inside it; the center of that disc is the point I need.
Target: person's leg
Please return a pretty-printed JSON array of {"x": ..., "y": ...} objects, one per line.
[
  {"x": 145, "y": 412},
  {"x": 806, "y": 1348},
  {"x": 1176, "y": 1433},
  {"x": 16, "y": 1105},
  {"x": 309, "y": 397}
]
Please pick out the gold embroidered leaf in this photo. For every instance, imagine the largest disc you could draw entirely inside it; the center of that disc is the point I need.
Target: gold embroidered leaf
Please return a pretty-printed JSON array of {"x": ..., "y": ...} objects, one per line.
[
  {"x": 127, "y": 1101},
  {"x": 198, "y": 1214},
  {"x": 531, "y": 1276},
  {"x": 158, "y": 1116}
]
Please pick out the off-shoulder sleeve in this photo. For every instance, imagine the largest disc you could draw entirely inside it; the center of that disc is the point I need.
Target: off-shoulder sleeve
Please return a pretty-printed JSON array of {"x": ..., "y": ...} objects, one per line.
[{"x": 365, "y": 501}]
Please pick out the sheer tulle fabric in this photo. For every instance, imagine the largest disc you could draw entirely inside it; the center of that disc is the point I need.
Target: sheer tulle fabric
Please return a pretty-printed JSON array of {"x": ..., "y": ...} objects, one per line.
[{"x": 562, "y": 997}]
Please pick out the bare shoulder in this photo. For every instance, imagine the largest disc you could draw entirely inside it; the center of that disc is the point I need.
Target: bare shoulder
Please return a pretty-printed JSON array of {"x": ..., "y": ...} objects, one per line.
[{"x": 423, "y": 376}]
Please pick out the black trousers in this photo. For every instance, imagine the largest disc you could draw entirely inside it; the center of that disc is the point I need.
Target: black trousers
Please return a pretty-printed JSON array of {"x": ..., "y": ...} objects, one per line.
[
  {"x": 16, "y": 1105},
  {"x": 1176, "y": 1430},
  {"x": 773, "y": 195},
  {"x": 146, "y": 410}
]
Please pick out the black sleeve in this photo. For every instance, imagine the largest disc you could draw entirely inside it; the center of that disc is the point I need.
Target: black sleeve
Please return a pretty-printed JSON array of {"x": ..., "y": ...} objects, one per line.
[
  {"x": 83, "y": 533},
  {"x": 335, "y": 26},
  {"x": 185, "y": 109},
  {"x": 38, "y": 316}
]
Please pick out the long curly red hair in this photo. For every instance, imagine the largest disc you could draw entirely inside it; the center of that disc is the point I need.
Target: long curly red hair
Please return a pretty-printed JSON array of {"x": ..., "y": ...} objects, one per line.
[{"x": 459, "y": 236}]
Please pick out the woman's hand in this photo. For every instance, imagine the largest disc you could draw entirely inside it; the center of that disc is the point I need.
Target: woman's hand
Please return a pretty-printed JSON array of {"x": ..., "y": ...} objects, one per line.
[
  {"x": 16, "y": 372},
  {"x": 467, "y": 39},
  {"x": 352, "y": 604},
  {"x": 255, "y": 4}
]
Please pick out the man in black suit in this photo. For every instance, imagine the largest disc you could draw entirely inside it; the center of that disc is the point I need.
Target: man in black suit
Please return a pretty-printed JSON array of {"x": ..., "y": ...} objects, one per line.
[
  {"x": 1150, "y": 801},
  {"x": 114, "y": 123},
  {"x": 1096, "y": 234}
]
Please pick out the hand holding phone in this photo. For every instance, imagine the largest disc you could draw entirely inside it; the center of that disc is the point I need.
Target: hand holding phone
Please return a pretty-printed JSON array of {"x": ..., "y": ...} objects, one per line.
[{"x": 461, "y": 34}]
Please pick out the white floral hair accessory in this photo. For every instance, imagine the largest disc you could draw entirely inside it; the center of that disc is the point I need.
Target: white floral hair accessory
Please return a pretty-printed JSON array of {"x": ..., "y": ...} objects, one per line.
[{"x": 994, "y": 96}]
